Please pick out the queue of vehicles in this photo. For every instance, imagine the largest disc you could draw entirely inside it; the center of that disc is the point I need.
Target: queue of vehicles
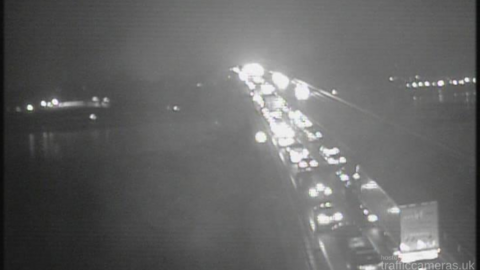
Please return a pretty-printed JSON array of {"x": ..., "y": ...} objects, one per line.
[{"x": 319, "y": 170}]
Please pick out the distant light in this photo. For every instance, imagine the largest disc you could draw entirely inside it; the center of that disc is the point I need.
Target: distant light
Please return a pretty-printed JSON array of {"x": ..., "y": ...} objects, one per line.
[
  {"x": 342, "y": 160},
  {"x": 93, "y": 117},
  {"x": 328, "y": 191},
  {"x": 313, "y": 163},
  {"x": 176, "y": 108},
  {"x": 29, "y": 107},
  {"x": 334, "y": 92},
  {"x": 344, "y": 177},
  {"x": 391, "y": 79},
  {"x": 434, "y": 84},
  {"x": 260, "y": 137},
  {"x": 467, "y": 79},
  {"x": 366, "y": 212},
  {"x": 235, "y": 69},
  {"x": 414, "y": 85},
  {"x": 356, "y": 176},
  {"x": 253, "y": 69},
  {"x": 420, "y": 84},
  {"x": 408, "y": 85},
  {"x": 280, "y": 80},
  {"x": 18, "y": 109},
  {"x": 455, "y": 82},
  {"x": 370, "y": 185},
  {"x": 49, "y": 104},
  {"x": 54, "y": 102},
  {"x": 43, "y": 103},
  {"x": 427, "y": 84},
  {"x": 474, "y": 80},
  {"x": 372, "y": 218},
  {"x": 199, "y": 85},
  {"x": 95, "y": 99},
  {"x": 441, "y": 83},
  {"x": 417, "y": 77},
  {"x": 394, "y": 210},
  {"x": 106, "y": 100},
  {"x": 462, "y": 82},
  {"x": 302, "y": 92}
]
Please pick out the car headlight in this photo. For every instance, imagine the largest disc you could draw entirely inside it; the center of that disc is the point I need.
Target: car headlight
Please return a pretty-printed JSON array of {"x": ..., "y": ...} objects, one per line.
[
  {"x": 303, "y": 164},
  {"x": 344, "y": 177},
  {"x": 337, "y": 216},
  {"x": 313, "y": 192},
  {"x": 320, "y": 187},
  {"x": 313, "y": 163},
  {"x": 372, "y": 218},
  {"x": 328, "y": 191},
  {"x": 323, "y": 219}
]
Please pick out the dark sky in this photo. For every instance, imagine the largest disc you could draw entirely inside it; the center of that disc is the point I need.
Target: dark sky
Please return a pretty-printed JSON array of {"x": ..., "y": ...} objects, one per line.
[{"x": 52, "y": 42}]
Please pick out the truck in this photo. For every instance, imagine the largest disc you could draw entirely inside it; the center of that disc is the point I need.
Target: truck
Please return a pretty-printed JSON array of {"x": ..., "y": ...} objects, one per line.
[{"x": 419, "y": 232}]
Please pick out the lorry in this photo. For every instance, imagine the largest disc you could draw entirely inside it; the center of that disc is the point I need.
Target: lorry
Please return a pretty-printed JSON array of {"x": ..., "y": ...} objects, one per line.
[{"x": 419, "y": 233}]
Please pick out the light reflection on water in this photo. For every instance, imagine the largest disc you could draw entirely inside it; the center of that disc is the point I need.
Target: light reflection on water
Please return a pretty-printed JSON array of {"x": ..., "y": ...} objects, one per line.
[{"x": 57, "y": 145}]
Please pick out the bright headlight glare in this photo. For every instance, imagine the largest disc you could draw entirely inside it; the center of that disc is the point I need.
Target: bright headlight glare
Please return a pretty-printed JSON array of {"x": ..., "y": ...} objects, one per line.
[
  {"x": 302, "y": 92},
  {"x": 328, "y": 191},
  {"x": 280, "y": 80},
  {"x": 337, "y": 216},
  {"x": 303, "y": 164},
  {"x": 313, "y": 193},
  {"x": 372, "y": 218},
  {"x": 253, "y": 69},
  {"x": 323, "y": 219},
  {"x": 320, "y": 187}
]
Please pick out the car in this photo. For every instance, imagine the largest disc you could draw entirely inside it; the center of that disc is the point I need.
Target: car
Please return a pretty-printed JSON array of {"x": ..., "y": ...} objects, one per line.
[
  {"x": 317, "y": 186},
  {"x": 312, "y": 134},
  {"x": 362, "y": 254},
  {"x": 299, "y": 120},
  {"x": 332, "y": 155},
  {"x": 283, "y": 142},
  {"x": 297, "y": 152},
  {"x": 281, "y": 129},
  {"x": 307, "y": 164},
  {"x": 325, "y": 218}
]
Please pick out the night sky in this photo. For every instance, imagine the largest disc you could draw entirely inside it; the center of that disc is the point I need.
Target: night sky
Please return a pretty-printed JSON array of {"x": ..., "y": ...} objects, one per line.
[{"x": 49, "y": 43}]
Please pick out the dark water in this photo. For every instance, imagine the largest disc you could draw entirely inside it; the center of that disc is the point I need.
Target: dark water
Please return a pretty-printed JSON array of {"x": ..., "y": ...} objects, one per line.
[{"x": 180, "y": 191}]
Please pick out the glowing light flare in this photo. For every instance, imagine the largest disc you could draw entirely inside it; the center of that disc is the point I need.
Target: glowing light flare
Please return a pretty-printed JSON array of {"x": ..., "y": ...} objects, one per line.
[
  {"x": 260, "y": 137},
  {"x": 280, "y": 80},
  {"x": 253, "y": 69},
  {"x": 29, "y": 107},
  {"x": 334, "y": 92},
  {"x": 93, "y": 117},
  {"x": 441, "y": 83},
  {"x": 394, "y": 210},
  {"x": 43, "y": 103},
  {"x": 372, "y": 218},
  {"x": 467, "y": 79},
  {"x": 267, "y": 89},
  {"x": 55, "y": 102},
  {"x": 414, "y": 85},
  {"x": 302, "y": 92},
  {"x": 337, "y": 216},
  {"x": 427, "y": 84}
]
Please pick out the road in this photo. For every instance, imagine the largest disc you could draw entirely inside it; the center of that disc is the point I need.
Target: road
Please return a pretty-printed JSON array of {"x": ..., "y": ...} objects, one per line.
[
  {"x": 186, "y": 190},
  {"x": 409, "y": 165}
]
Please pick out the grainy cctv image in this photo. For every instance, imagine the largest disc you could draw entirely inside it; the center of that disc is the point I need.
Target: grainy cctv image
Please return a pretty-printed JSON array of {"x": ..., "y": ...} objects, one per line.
[{"x": 255, "y": 134}]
